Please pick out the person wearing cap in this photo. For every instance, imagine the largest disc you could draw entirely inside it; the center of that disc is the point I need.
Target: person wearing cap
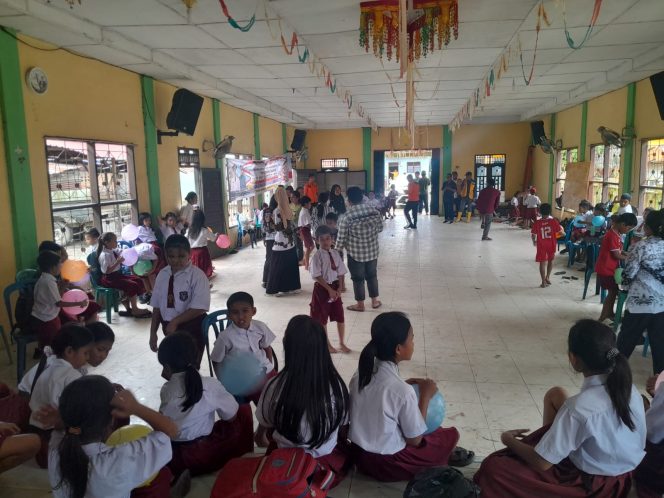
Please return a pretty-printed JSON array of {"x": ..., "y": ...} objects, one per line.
[{"x": 625, "y": 204}]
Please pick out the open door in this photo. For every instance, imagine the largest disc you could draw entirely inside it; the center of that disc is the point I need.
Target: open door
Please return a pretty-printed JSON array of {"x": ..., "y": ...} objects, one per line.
[
  {"x": 379, "y": 171},
  {"x": 434, "y": 202}
]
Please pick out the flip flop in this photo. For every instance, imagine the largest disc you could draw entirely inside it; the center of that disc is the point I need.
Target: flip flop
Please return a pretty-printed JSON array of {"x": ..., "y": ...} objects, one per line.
[
  {"x": 124, "y": 313},
  {"x": 354, "y": 307},
  {"x": 145, "y": 315},
  {"x": 560, "y": 273},
  {"x": 376, "y": 306},
  {"x": 461, "y": 457}
]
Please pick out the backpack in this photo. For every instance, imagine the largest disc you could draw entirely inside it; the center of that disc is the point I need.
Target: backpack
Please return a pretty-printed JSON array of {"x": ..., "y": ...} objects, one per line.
[
  {"x": 284, "y": 473},
  {"x": 441, "y": 482},
  {"x": 24, "y": 304}
]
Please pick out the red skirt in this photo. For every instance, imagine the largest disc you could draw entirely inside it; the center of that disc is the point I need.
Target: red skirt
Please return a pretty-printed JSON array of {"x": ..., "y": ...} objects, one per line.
[
  {"x": 90, "y": 312},
  {"x": 321, "y": 309},
  {"x": 515, "y": 212},
  {"x": 194, "y": 328},
  {"x": 158, "y": 488},
  {"x": 131, "y": 285},
  {"x": 14, "y": 407},
  {"x": 434, "y": 451},
  {"x": 160, "y": 262},
  {"x": 45, "y": 330},
  {"x": 200, "y": 256},
  {"x": 531, "y": 213},
  {"x": 504, "y": 474},
  {"x": 209, "y": 453},
  {"x": 649, "y": 475},
  {"x": 305, "y": 235}
]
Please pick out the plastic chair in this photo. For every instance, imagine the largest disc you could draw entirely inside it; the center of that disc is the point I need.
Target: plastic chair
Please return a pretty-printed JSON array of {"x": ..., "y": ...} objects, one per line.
[
  {"x": 27, "y": 275},
  {"x": 646, "y": 344},
  {"x": 21, "y": 337},
  {"x": 622, "y": 297},
  {"x": 6, "y": 343},
  {"x": 592, "y": 251},
  {"x": 110, "y": 297}
]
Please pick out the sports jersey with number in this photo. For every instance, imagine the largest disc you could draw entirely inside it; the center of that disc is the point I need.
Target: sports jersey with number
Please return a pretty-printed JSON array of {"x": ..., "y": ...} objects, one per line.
[{"x": 546, "y": 229}]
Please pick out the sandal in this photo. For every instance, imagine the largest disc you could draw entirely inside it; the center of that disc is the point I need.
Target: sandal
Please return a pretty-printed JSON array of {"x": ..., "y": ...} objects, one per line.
[
  {"x": 354, "y": 307},
  {"x": 124, "y": 313},
  {"x": 461, "y": 457},
  {"x": 377, "y": 305}
]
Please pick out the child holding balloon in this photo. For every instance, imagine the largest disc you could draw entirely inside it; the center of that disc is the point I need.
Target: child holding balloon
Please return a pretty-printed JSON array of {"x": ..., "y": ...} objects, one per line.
[
  {"x": 202, "y": 445},
  {"x": 147, "y": 235},
  {"x": 391, "y": 439},
  {"x": 74, "y": 277},
  {"x": 199, "y": 235}
]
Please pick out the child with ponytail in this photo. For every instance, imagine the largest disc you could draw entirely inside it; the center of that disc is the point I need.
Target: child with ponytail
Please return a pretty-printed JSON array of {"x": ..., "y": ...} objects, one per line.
[
  {"x": 590, "y": 443},
  {"x": 201, "y": 445},
  {"x": 387, "y": 421},
  {"x": 81, "y": 465}
]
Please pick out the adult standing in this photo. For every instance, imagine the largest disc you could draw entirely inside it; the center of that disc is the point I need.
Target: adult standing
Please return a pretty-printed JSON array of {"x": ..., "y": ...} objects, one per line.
[
  {"x": 284, "y": 274},
  {"x": 424, "y": 183},
  {"x": 413, "y": 203},
  {"x": 457, "y": 193},
  {"x": 269, "y": 233},
  {"x": 337, "y": 201},
  {"x": 449, "y": 195},
  {"x": 358, "y": 233},
  {"x": 487, "y": 203},
  {"x": 467, "y": 194},
  {"x": 311, "y": 188}
]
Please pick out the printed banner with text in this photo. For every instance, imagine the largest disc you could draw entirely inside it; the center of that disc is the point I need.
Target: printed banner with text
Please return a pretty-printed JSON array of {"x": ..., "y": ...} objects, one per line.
[{"x": 247, "y": 177}]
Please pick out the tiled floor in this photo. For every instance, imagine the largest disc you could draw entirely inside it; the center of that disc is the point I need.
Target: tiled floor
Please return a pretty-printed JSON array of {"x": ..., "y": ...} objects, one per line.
[{"x": 484, "y": 331}]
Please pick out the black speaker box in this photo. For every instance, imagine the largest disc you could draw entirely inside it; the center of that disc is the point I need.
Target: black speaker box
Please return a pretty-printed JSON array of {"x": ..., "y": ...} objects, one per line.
[
  {"x": 657, "y": 82},
  {"x": 537, "y": 129},
  {"x": 298, "y": 139},
  {"x": 185, "y": 109}
]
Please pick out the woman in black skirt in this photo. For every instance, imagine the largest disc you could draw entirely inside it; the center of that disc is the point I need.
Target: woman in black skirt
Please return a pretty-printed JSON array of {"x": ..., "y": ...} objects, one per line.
[{"x": 284, "y": 271}]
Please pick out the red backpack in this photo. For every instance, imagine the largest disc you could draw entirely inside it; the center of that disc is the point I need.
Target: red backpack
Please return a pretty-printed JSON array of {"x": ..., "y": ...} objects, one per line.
[{"x": 284, "y": 473}]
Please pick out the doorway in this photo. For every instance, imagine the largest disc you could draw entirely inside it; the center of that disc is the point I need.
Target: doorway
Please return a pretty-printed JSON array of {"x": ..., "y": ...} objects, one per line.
[{"x": 490, "y": 166}]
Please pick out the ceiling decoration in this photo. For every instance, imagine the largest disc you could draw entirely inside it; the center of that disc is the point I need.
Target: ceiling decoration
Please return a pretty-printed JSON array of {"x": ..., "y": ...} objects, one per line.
[
  {"x": 591, "y": 25},
  {"x": 231, "y": 21}
]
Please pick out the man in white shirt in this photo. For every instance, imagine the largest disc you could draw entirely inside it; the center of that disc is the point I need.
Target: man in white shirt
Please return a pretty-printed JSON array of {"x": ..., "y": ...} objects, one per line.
[{"x": 625, "y": 204}]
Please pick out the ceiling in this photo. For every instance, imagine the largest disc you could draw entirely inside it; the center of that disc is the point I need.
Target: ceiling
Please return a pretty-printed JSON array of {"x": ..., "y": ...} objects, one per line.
[{"x": 199, "y": 50}]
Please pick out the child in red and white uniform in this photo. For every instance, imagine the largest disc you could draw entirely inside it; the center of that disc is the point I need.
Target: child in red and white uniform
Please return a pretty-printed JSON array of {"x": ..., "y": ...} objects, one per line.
[
  {"x": 147, "y": 235},
  {"x": 304, "y": 229},
  {"x": 328, "y": 270},
  {"x": 170, "y": 226},
  {"x": 199, "y": 234},
  {"x": 531, "y": 202},
  {"x": 544, "y": 234}
]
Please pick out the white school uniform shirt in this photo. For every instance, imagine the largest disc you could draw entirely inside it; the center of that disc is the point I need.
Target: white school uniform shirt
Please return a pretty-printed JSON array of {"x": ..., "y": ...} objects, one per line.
[
  {"x": 146, "y": 234},
  {"x": 187, "y": 212},
  {"x": 532, "y": 201},
  {"x": 321, "y": 265},
  {"x": 45, "y": 295},
  {"x": 191, "y": 289},
  {"x": 49, "y": 387},
  {"x": 385, "y": 412},
  {"x": 198, "y": 420},
  {"x": 167, "y": 231},
  {"x": 202, "y": 239},
  {"x": 515, "y": 201},
  {"x": 114, "y": 471},
  {"x": 264, "y": 414},
  {"x": 253, "y": 340},
  {"x": 588, "y": 431},
  {"x": 304, "y": 219},
  {"x": 625, "y": 209},
  {"x": 107, "y": 258},
  {"x": 655, "y": 417}
]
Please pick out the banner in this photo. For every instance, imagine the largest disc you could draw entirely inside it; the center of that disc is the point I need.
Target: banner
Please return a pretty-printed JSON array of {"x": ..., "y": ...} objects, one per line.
[{"x": 247, "y": 178}]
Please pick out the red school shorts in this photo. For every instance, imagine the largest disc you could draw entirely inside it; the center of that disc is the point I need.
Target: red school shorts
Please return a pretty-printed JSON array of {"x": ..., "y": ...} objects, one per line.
[
  {"x": 321, "y": 309},
  {"x": 545, "y": 252},
  {"x": 608, "y": 282}
]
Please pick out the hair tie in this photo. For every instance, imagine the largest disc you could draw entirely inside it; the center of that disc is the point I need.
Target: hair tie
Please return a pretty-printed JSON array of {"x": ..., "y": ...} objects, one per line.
[
  {"x": 74, "y": 431},
  {"x": 612, "y": 353}
]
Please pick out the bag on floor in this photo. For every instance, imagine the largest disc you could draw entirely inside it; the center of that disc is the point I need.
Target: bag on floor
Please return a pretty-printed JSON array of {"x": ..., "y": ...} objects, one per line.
[
  {"x": 441, "y": 482},
  {"x": 284, "y": 473}
]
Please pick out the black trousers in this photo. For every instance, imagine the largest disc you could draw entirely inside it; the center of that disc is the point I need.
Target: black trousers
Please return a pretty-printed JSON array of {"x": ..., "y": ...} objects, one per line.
[
  {"x": 424, "y": 203},
  {"x": 268, "y": 259},
  {"x": 411, "y": 207},
  {"x": 633, "y": 326},
  {"x": 448, "y": 204}
]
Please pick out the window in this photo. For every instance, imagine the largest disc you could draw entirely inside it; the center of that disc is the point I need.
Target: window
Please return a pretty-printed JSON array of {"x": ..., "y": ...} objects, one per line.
[
  {"x": 565, "y": 157},
  {"x": 92, "y": 184},
  {"x": 334, "y": 164},
  {"x": 190, "y": 172},
  {"x": 652, "y": 174},
  {"x": 489, "y": 166},
  {"x": 235, "y": 207},
  {"x": 413, "y": 166},
  {"x": 604, "y": 173}
]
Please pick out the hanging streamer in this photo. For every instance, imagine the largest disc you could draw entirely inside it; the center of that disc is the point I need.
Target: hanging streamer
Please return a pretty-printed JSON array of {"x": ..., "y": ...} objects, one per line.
[
  {"x": 541, "y": 16},
  {"x": 591, "y": 25},
  {"x": 233, "y": 22},
  {"x": 293, "y": 43}
]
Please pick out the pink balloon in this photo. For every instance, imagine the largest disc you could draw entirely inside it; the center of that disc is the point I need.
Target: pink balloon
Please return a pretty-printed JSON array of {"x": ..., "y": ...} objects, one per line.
[
  {"x": 129, "y": 233},
  {"x": 74, "y": 296},
  {"x": 223, "y": 241},
  {"x": 130, "y": 256}
]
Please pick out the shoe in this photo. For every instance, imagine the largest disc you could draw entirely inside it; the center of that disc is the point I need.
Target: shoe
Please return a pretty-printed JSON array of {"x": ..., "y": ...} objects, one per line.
[
  {"x": 407, "y": 227},
  {"x": 264, "y": 285},
  {"x": 564, "y": 251},
  {"x": 296, "y": 291},
  {"x": 413, "y": 227}
]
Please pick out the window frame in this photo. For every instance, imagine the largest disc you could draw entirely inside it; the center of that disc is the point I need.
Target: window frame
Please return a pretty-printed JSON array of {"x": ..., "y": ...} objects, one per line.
[
  {"x": 643, "y": 173},
  {"x": 605, "y": 183},
  {"x": 479, "y": 185},
  {"x": 560, "y": 179}
]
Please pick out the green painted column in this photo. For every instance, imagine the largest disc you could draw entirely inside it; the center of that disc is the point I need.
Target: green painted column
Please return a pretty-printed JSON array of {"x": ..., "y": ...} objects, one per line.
[
  {"x": 584, "y": 131},
  {"x": 150, "y": 129},
  {"x": 366, "y": 156},
  {"x": 628, "y": 147},
  {"x": 552, "y": 157},
  {"x": 446, "y": 160},
  {"x": 257, "y": 151},
  {"x": 219, "y": 163},
  {"x": 15, "y": 135},
  {"x": 284, "y": 138}
]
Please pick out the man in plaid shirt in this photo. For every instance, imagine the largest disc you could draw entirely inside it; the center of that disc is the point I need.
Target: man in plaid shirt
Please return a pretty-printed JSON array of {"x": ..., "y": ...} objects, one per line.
[{"x": 358, "y": 234}]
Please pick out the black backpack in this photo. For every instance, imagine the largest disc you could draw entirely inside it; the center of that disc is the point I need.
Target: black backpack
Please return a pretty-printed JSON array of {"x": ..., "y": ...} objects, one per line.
[
  {"x": 24, "y": 304},
  {"x": 441, "y": 482}
]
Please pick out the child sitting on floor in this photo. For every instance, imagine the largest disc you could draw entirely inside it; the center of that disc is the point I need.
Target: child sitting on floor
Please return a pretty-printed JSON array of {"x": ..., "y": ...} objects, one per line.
[
  {"x": 544, "y": 234},
  {"x": 16, "y": 448}
]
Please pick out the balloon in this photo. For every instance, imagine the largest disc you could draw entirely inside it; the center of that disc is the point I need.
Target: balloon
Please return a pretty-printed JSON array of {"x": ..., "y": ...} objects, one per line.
[
  {"x": 617, "y": 276},
  {"x": 129, "y": 233},
  {"x": 127, "y": 434},
  {"x": 598, "y": 221},
  {"x": 83, "y": 282},
  {"x": 435, "y": 412},
  {"x": 73, "y": 270},
  {"x": 74, "y": 296},
  {"x": 577, "y": 220},
  {"x": 223, "y": 241},
  {"x": 142, "y": 267},
  {"x": 130, "y": 256},
  {"x": 241, "y": 373}
]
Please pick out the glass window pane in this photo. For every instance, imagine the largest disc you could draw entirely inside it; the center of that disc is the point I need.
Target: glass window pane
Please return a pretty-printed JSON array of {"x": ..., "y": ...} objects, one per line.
[
  {"x": 614, "y": 164},
  {"x": 112, "y": 172},
  {"x": 651, "y": 198},
  {"x": 69, "y": 228},
  {"x": 597, "y": 157},
  {"x": 596, "y": 193},
  {"x": 115, "y": 216},
  {"x": 68, "y": 174}
]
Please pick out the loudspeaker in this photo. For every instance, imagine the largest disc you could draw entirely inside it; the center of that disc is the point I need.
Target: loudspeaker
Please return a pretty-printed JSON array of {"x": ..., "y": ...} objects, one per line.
[
  {"x": 298, "y": 139},
  {"x": 657, "y": 82},
  {"x": 537, "y": 129},
  {"x": 185, "y": 109}
]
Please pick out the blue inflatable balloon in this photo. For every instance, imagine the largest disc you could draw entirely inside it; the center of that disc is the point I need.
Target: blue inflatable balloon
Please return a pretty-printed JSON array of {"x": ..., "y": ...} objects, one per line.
[
  {"x": 577, "y": 222},
  {"x": 241, "y": 373},
  {"x": 598, "y": 221},
  {"x": 435, "y": 412}
]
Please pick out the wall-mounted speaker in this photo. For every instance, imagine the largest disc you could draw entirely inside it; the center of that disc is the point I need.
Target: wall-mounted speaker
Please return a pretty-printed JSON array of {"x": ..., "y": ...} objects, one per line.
[
  {"x": 298, "y": 140},
  {"x": 185, "y": 109},
  {"x": 657, "y": 82},
  {"x": 537, "y": 129}
]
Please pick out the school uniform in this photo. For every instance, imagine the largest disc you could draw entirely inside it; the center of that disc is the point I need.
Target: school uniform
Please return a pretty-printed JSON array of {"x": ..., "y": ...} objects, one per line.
[
  {"x": 531, "y": 202},
  {"x": 173, "y": 294},
  {"x": 14, "y": 407},
  {"x": 304, "y": 228},
  {"x": 167, "y": 231},
  {"x": 200, "y": 255},
  {"x": 203, "y": 446},
  {"x": 546, "y": 229},
  {"x": 130, "y": 285},
  {"x": 187, "y": 213},
  {"x": 649, "y": 475},
  {"x": 593, "y": 453},
  {"x": 606, "y": 264},
  {"x": 515, "y": 208},
  {"x": 329, "y": 266},
  {"x": 253, "y": 340},
  {"x": 382, "y": 415},
  {"x": 45, "y": 316},
  {"x": 114, "y": 471},
  {"x": 284, "y": 273},
  {"x": 148, "y": 236}
]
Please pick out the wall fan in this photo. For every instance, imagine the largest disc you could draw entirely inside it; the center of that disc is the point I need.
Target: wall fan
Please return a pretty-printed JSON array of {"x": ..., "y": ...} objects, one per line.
[
  {"x": 549, "y": 146},
  {"x": 220, "y": 150},
  {"x": 611, "y": 137}
]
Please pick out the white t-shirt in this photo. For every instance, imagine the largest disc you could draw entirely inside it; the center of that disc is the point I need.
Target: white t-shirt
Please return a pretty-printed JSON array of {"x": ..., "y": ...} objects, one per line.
[
  {"x": 107, "y": 258},
  {"x": 167, "y": 231},
  {"x": 385, "y": 412},
  {"x": 305, "y": 218},
  {"x": 187, "y": 213},
  {"x": 588, "y": 431},
  {"x": 49, "y": 387},
  {"x": 321, "y": 265},
  {"x": 655, "y": 417},
  {"x": 45, "y": 295},
  {"x": 625, "y": 209},
  {"x": 253, "y": 340},
  {"x": 532, "y": 201},
  {"x": 281, "y": 240},
  {"x": 191, "y": 290},
  {"x": 198, "y": 420}
]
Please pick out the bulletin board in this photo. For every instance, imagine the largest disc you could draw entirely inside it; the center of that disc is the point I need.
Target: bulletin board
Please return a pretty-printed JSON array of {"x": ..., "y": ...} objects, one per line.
[{"x": 577, "y": 183}]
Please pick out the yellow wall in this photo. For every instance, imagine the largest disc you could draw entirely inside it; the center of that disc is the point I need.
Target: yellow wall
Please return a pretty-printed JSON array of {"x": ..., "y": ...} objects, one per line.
[
  {"x": 271, "y": 137},
  {"x": 607, "y": 110},
  {"x": 426, "y": 137},
  {"x": 324, "y": 144},
  {"x": 239, "y": 124},
  {"x": 8, "y": 266},
  {"x": 648, "y": 125}
]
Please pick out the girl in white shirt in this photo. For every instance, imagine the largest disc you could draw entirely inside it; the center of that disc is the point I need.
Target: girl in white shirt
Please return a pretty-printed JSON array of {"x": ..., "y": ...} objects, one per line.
[
  {"x": 81, "y": 465},
  {"x": 170, "y": 226},
  {"x": 147, "y": 234},
  {"x": 199, "y": 235},
  {"x": 590, "y": 442},
  {"x": 306, "y": 404},
  {"x": 187, "y": 211},
  {"x": 649, "y": 475},
  {"x": 387, "y": 421}
]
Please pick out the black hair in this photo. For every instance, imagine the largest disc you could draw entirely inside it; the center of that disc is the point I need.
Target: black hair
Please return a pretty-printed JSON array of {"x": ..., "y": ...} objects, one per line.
[
  {"x": 273, "y": 203},
  {"x": 190, "y": 196},
  {"x": 304, "y": 200},
  {"x": 388, "y": 330},
  {"x": 601, "y": 208},
  {"x": 170, "y": 214},
  {"x": 627, "y": 219},
  {"x": 93, "y": 232},
  {"x": 584, "y": 203},
  {"x": 101, "y": 332},
  {"x": 655, "y": 221},
  {"x": 308, "y": 388},
  {"x": 295, "y": 194},
  {"x": 104, "y": 239},
  {"x": 49, "y": 245},
  {"x": 323, "y": 230},
  {"x": 448, "y": 175},
  {"x": 142, "y": 217},
  {"x": 179, "y": 353},
  {"x": 72, "y": 336},
  {"x": 85, "y": 410},
  {"x": 289, "y": 188},
  {"x": 595, "y": 345},
  {"x": 177, "y": 241},
  {"x": 239, "y": 297},
  {"x": 197, "y": 224},
  {"x": 354, "y": 195},
  {"x": 469, "y": 173},
  {"x": 323, "y": 197},
  {"x": 47, "y": 260},
  {"x": 337, "y": 202},
  {"x": 545, "y": 209},
  {"x": 332, "y": 216}
]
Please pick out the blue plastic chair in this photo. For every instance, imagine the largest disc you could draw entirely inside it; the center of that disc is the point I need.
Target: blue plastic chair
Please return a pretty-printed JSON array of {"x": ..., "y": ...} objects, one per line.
[
  {"x": 218, "y": 320},
  {"x": 592, "y": 252},
  {"x": 20, "y": 336}
]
